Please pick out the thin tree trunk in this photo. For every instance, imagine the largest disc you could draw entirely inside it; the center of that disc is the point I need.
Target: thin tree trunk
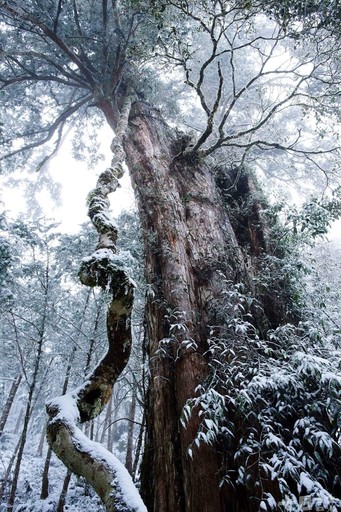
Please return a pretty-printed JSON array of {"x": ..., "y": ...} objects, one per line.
[
  {"x": 138, "y": 449},
  {"x": 106, "y": 420},
  {"x": 7, "y": 473},
  {"x": 130, "y": 431},
  {"x": 92, "y": 427},
  {"x": 63, "y": 494},
  {"x": 12, "y": 460},
  {"x": 41, "y": 442},
  {"x": 9, "y": 402},
  {"x": 112, "y": 426},
  {"x": 91, "y": 349},
  {"x": 88, "y": 427},
  {"x": 27, "y": 416},
  {"x": 19, "y": 420},
  {"x": 45, "y": 478},
  {"x": 92, "y": 342},
  {"x": 32, "y": 387}
]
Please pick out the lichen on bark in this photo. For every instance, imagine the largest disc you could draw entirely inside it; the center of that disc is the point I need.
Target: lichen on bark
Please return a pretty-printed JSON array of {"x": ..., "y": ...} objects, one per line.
[{"x": 103, "y": 268}]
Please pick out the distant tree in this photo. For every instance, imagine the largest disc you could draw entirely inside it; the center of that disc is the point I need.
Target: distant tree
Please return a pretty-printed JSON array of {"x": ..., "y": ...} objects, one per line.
[
  {"x": 37, "y": 254},
  {"x": 324, "y": 14},
  {"x": 27, "y": 324},
  {"x": 234, "y": 367}
]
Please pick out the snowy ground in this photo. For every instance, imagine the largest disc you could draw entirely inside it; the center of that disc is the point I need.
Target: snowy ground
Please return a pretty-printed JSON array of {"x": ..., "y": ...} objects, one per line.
[{"x": 80, "y": 498}]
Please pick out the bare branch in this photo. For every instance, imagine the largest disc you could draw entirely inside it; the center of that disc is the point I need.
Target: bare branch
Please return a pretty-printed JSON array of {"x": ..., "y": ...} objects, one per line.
[
  {"x": 59, "y": 10},
  {"x": 44, "y": 30},
  {"x": 266, "y": 145},
  {"x": 74, "y": 78},
  {"x": 51, "y": 130},
  {"x": 209, "y": 127},
  {"x": 22, "y": 364},
  {"x": 76, "y": 17},
  {"x": 105, "y": 25}
]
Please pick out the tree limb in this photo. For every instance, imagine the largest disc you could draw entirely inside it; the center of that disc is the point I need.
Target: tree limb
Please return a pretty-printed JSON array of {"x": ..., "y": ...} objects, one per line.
[
  {"x": 103, "y": 268},
  {"x": 18, "y": 12},
  {"x": 51, "y": 130}
]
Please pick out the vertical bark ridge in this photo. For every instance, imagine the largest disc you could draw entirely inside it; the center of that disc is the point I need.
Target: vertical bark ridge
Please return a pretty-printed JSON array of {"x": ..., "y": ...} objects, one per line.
[
  {"x": 103, "y": 268},
  {"x": 188, "y": 241}
]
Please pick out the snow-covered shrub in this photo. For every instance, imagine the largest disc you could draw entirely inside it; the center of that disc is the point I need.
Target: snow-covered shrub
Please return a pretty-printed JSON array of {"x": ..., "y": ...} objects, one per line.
[{"x": 273, "y": 405}]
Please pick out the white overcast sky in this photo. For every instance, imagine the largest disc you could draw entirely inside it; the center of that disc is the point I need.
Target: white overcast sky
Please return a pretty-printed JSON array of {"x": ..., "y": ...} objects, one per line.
[{"x": 76, "y": 181}]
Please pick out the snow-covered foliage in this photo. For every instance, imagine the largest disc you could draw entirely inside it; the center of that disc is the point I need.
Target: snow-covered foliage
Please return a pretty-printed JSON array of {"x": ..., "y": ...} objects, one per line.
[
  {"x": 274, "y": 404},
  {"x": 272, "y": 400},
  {"x": 252, "y": 90},
  {"x": 74, "y": 341},
  {"x": 239, "y": 78}
]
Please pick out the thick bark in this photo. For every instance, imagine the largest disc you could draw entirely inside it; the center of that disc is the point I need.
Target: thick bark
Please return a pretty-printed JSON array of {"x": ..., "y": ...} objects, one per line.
[
  {"x": 246, "y": 205},
  {"x": 188, "y": 242},
  {"x": 192, "y": 243}
]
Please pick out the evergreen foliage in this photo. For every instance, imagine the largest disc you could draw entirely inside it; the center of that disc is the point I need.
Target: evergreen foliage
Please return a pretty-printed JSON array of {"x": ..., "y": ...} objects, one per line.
[
  {"x": 253, "y": 88},
  {"x": 272, "y": 400}
]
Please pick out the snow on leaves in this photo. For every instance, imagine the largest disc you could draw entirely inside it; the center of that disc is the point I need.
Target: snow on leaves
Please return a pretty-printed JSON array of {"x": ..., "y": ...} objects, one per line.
[{"x": 275, "y": 412}]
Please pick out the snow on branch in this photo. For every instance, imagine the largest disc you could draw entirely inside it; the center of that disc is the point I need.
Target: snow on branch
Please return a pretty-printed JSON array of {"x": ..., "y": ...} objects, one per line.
[
  {"x": 104, "y": 268},
  {"x": 247, "y": 85}
]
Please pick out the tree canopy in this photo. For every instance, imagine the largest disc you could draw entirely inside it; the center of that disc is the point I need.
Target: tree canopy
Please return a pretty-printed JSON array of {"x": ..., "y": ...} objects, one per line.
[
  {"x": 206, "y": 100},
  {"x": 244, "y": 75}
]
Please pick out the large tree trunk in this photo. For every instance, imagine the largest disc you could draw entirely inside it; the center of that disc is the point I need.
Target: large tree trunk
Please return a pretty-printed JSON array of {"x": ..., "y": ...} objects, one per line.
[{"x": 189, "y": 242}]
